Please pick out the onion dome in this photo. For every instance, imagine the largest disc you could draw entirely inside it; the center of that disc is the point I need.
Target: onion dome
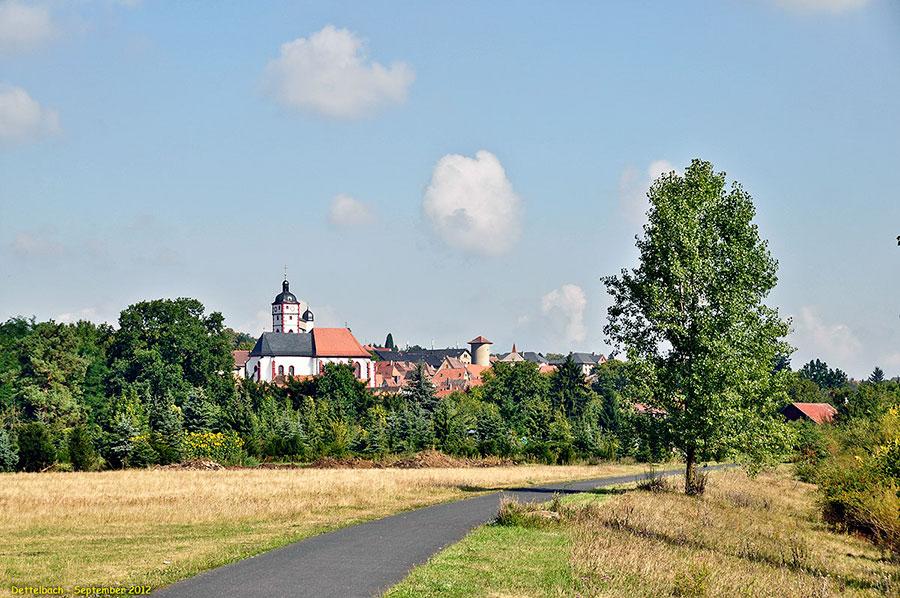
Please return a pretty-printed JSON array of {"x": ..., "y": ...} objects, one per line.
[
  {"x": 285, "y": 296},
  {"x": 307, "y": 316}
]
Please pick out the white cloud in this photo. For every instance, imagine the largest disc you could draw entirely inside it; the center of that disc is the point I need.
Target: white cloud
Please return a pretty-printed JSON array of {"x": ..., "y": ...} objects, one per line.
[
  {"x": 814, "y": 6},
  {"x": 34, "y": 246},
  {"x": 23, "y": 26},
  {"x": 331, "y": 74},
  {"x": 633, "y": 187},
  {"x": 346, "y": 212},
  {"x": 472, "y": 205},
  {"x": 828, "y": 341},
  {"x": 23, "y": 118},
  {"x": 564, "y": 308}
]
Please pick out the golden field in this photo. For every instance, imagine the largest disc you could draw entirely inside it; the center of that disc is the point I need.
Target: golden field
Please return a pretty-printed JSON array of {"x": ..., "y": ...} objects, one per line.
[{"x": 153, "y": 527}]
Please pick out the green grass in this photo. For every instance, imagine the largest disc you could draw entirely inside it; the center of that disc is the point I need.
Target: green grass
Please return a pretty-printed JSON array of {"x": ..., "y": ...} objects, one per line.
[
  {"x": 494, "y": 560},
  {"x": 745, "y": 538}
]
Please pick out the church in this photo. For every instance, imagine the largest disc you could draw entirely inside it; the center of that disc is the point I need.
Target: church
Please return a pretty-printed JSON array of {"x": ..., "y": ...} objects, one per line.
[{"x": 295, "y": 347}]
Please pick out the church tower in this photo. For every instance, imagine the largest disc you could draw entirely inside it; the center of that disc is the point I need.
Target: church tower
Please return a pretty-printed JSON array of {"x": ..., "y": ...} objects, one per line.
[{"x": 288, "y": 313}]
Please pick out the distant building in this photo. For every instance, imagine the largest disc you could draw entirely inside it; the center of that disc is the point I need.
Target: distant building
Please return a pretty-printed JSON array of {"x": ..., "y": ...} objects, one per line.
[
  {"x": 587, "y": 361},
  {"x": 295, "y": 348},
  {"x": 240, "y": 361},
  {"x": 480, "y": 351},
  {"x": 815, "y": 412},
  {"x": 433, "y": 357}
]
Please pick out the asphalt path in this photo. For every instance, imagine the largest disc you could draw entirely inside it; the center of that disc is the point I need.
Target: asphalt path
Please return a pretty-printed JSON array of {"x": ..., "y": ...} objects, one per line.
[{"x": 365, "y": 560}]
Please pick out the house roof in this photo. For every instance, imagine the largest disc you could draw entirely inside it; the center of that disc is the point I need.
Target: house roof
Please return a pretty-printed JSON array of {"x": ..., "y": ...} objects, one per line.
[
  {"x": 321, "y": 342},
  {"x": 480, "y": 340},
  {"x": 432, "y": 357},
  {"x": 546, "y": 369},
  {"x": 240, "y": 358},
  {"x": 284, "y": 343},
  {"x": 818, "y": 412},
  {"x": 337, "y": 342},
  {"x": 533, "y": 357}
]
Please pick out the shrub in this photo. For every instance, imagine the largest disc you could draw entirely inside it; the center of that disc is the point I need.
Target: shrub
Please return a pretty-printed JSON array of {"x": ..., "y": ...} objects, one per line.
[
  {"x": 9, "y": 451},
  {"x": 81, "y": 449},
  {"x": 653, "y": 481},
  {"x": 217, "y": 446},
  {"x": 36, "y": 450}
]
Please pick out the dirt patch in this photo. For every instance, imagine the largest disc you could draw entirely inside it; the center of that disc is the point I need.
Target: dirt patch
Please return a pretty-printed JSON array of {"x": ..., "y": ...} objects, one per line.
[
  {"x": 195, "y": 464},
  {"x": 344, "y": 463}
]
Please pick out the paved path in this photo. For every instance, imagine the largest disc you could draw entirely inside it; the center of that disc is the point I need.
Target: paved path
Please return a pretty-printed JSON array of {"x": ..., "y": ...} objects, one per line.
[{"x": 363, "y": 560}]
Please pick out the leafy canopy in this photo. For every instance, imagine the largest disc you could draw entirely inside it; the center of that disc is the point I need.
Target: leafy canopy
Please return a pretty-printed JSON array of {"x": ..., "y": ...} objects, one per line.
[{"x": 692, "y": 318}]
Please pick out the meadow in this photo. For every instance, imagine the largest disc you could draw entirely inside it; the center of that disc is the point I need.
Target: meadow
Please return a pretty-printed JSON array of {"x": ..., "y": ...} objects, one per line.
[
  {"x": 745, "y": 537},
  {"x": 155, "y": 526}
]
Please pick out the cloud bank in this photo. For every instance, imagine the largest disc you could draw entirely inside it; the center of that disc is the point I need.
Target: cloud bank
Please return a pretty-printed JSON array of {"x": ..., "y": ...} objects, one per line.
[
  {"x": 22, "y": 118},
  {"x": 633, "y": 187},
  {"x": 472, "y": 206},
  {"x": 347, "y": 212},
  {"x": 834, "y": 342},
  {"x": 330, "y": 74},
  {"x": 23, "y": 27},
  {"x": 564, "y": 309}
]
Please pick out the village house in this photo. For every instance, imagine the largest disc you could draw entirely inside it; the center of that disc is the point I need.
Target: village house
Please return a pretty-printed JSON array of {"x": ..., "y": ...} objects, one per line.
[{"x": 295, "y": 347}]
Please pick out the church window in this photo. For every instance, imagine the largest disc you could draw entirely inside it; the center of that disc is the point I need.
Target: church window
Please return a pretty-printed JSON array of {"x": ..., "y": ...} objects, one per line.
[
  {"x": 291, "y": 370},
  {"x": 281, "y": 370},
  {"x": 358, "y": 370}
]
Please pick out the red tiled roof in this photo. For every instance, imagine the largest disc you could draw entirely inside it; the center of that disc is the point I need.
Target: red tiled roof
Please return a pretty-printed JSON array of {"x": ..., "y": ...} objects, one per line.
[
  {"x": 818, "y": 412},
  {"x": 337, "y": 342},
  {"x": 480, "y": 340},
  {"x": 476, "y": 370},
  {"x": 240, "y": 358},
  {"x": 546, "y": 369}
]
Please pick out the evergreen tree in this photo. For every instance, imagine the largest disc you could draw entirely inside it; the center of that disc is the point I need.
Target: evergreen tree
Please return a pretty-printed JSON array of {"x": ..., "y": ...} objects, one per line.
[
  {"x": 569, "y": 391},
  {"x": 81, "y": 449},
  {"x": 36, "y": 450},
  {"x": 9, "y": 451},
  {"x": 200, "y": 415},
  {"x": 389, "y": 342},
  {"x": 877, "y": 375},
  {"x": 420, "y": 391},
  {"x": 121, "y": 442}
]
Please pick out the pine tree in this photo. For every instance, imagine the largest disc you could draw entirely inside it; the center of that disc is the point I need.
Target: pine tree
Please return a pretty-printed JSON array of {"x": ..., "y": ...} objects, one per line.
[
  {"x": 877, "y": 375},
  {"x": 200, "y": 415},
  {"x": 81, "y": 449},
  {"x": 389, "y": 342},
  {"x": 9, "y": 451},
  {"x": 420, "y": 391},
  {"x": 36, "y": 450}
]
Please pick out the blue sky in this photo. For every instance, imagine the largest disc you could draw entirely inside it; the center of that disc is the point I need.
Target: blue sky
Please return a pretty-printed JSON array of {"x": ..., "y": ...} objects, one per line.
[{"x": 442, "y": 170}]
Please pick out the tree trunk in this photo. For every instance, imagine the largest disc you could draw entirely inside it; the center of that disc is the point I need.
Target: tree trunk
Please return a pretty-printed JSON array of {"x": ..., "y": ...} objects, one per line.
[{"x": 690, "y": 475}]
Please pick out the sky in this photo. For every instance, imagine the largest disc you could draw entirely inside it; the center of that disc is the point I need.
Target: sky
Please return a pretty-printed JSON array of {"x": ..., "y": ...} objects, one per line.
[{"x": 442, "y": 170}]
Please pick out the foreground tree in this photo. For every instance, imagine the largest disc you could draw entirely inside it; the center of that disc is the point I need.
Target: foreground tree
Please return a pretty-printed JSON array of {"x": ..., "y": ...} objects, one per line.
[{"x": 692, "y": 319}]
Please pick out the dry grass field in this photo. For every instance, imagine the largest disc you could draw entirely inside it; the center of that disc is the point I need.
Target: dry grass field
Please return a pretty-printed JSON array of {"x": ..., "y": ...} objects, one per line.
[
  {"x": 157, "y": 526},
  {"x": 753, "y": 538}
]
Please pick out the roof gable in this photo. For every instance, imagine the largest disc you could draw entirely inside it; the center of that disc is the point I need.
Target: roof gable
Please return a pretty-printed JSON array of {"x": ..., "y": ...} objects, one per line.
[
  {"x": 283, "y": 343},
  {"x": 336, "y": 342}
]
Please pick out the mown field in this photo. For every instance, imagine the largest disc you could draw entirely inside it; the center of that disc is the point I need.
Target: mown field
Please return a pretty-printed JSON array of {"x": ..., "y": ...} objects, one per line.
[
  {"x": 745, "y": 537},
  {"x": 157, "y": 526}
]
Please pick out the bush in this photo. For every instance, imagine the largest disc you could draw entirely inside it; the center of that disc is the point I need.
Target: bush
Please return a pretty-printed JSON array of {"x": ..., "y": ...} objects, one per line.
[
  {"x": 81, "y": 449},
  {"x": 217, "y": 446},
  {"x": 36, "y": 450},
  {"x": 9, "y": 451}
]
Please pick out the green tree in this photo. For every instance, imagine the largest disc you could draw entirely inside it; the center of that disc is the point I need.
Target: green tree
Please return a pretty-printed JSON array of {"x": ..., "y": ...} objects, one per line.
[
  {"x": 511, "y": 386},
  {"x": 877, "y": 375},
  {"x": 389, "y": 342},
  {"x": 81, "y": 449},
  {"x": 693, "y": 320},
  {"x": 36, "y": 449},
  {"x": 9, "y": 451},
  {"x": 569, "y": 391},
  {"x": 824, "y": 377},
  {"x": 420, "y": 391},
  {"x": 171, "y": 345},
  {"x": 346, "y": 395}
]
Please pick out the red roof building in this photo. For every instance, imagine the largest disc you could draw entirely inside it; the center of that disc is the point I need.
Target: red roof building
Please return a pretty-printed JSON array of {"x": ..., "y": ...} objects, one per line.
[{"x": 816, "y": 412}]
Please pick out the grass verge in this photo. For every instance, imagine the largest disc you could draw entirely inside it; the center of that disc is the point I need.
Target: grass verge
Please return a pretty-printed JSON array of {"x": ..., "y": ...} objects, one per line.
[
  {"x": 744, "y": 538},
  {"x": 153, "y": 527}
]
